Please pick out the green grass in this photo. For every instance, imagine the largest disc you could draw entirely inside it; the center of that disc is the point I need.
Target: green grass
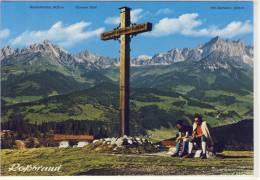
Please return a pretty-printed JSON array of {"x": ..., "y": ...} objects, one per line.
[
  {"x": 101, "y": 104},
  {"x": 183, "y": 89},
  {"x": 45, "y": 114},
  {"x": 246, "y": 99},
  {"x": 166, "y": 102},
  {"x": 39, "y": 113},
  {"x": 79, "y": 161},
  {"x": 161, "y": 134},
  {"x": 89, "y": 111},
  {"x": 21, "y": 99}
]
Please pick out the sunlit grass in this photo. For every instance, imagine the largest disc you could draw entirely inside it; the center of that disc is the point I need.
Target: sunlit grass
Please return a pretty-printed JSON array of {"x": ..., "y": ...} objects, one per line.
[{"x": 75, "y": 161}]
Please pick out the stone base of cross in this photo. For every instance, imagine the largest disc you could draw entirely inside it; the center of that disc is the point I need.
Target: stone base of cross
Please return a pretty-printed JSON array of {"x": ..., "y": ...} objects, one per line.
[{"x": 125, "y": 30}]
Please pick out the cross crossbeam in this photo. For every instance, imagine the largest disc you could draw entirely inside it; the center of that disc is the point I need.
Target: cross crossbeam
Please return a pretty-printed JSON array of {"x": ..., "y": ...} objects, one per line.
[
  {"x": 124, "y": 32},
  {"x": 131, "y": 30}
]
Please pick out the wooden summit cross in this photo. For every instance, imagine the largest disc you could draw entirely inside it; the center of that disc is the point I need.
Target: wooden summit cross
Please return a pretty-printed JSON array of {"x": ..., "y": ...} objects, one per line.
[{"x": 124, "y": 32}]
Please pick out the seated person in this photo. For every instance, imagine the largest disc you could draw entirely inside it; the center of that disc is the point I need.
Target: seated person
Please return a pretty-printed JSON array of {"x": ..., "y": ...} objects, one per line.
[
  {"x": 185, "y": 132},
  {"x": 200, "y": 135}
]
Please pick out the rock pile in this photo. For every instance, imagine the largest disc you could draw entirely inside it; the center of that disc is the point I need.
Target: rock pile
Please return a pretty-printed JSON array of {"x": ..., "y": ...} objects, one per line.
[{"x": 125, "y": 144}]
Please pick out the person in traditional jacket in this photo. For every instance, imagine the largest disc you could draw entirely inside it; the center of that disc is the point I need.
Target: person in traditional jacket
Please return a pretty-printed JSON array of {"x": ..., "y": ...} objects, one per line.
[{"x": 201, "y": 135}]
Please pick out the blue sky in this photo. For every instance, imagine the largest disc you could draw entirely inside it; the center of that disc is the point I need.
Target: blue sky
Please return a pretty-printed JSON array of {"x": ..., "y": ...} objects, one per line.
[{"x": 76, "y": 28}]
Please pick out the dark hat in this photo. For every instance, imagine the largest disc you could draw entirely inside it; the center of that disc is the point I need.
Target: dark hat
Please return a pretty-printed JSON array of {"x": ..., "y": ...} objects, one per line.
[{"x": 180, "y": 122}]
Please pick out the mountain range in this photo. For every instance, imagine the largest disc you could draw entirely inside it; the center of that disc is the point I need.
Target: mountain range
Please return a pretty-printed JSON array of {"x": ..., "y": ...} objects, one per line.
[
  {"x": 234, "y": 50},
  {"x": 43, "y": 82}
]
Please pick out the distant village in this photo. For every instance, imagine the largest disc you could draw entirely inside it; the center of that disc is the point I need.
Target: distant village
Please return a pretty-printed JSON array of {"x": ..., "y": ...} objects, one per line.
[{"x": 55, "y": 140}]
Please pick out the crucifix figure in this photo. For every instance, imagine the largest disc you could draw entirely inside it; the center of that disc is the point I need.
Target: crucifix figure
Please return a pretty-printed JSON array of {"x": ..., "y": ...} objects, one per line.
[{"x": 124, "y": 32}]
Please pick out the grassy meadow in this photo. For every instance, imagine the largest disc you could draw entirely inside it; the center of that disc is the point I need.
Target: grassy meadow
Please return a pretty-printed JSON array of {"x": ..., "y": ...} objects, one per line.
[{"x": 80, "y": 161}]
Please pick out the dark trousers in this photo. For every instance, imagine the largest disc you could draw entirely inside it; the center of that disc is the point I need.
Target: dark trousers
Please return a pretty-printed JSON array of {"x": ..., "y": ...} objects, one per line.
[{"x": 200, "y": 142}]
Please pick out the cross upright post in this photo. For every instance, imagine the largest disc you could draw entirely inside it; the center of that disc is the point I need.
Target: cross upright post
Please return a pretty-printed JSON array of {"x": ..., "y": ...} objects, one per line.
[
  {"x": 124, "y": 32},
  {"x": 124, "y": 71}
]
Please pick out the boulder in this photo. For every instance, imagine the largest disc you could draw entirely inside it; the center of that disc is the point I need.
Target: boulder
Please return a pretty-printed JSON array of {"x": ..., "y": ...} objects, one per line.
[
  {"x": 19, "y": 144},
  {"x": 130, "y": 141},
  {"x": 125, "y": 144},
  {"x": 119, "y": 142},
  {"x": 113, "y": 141},
  {"x": 139, "y": 141},
  {"x": 171, "y": 151},
  {"x": 95, "y": 141},
  {"x": 108, "y": 139}
]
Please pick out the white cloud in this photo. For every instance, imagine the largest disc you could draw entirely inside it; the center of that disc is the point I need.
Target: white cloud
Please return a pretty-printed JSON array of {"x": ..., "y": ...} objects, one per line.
[
  {"x": 164, "y": 11},
  {"x": 168, "y": 26},
  {"x": 136, "y": 15},
  {"x": 112, "y": 20},
  {"x": 189, "y": 25},
  {"x": 232, "y": 29},
  {"x": 4, "y": 33},
  {"x": 65, "y": 36}
]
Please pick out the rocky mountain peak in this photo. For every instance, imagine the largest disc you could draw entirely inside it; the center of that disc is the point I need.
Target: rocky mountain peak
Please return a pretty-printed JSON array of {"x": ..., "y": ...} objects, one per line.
[
  {"x": 87, "y": 56},
  {"x": 46, "y": 41},
  {"x": 218, "y": 48},
  {"x": 45, "y": 47},
  {"x": 219, "y": 43},
  {"x": 141, "y": 60},
  {"x": 6, "y": 51},
  {"x": 235, "y": 51},
  {"x": 215, "y": 39},
  {"x": 94, "y": 60},
  {"x": 145, "y": 57},
  {"x": 58, "y": 55}
]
